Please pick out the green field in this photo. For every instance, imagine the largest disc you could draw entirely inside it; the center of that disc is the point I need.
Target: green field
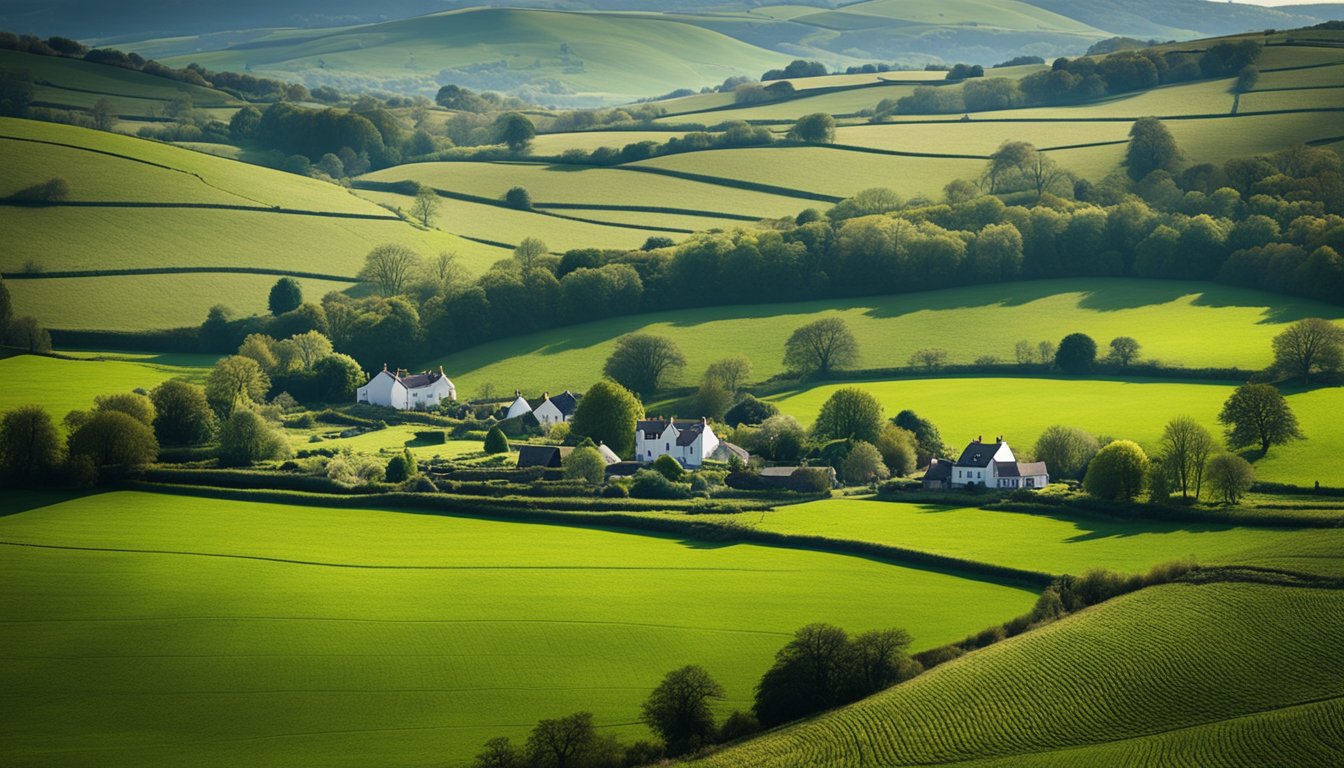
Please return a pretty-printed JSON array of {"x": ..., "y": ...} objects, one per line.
[
  {"x": 156, "y": 630},
  {"x": 29, "y": 378},
  {"x": 595, "y": 60},
  {"x": 1234, "y": 325},
  {"x": 1213, "y": 675},
  {"x": 1000, "y": 14},
  {"x": 1052, "y": 544},
  {"x": 386, "y": 441},
  {"x": 1020, "y": 409}
]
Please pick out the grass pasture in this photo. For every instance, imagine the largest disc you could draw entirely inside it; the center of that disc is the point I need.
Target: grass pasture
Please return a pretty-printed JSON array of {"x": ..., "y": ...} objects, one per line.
[
  {"x": 1313, "y": 98},
  {"x": 1235, "y": 327},
  {"x": 1052, "y": 544},
  {"x": 1239, "y": 675},
  {"x": 1020, "y": 409},
  {"x": 155, "y": 630},
  {"x": 29, "y": 378},
  {"x": 388, "y": 441}
]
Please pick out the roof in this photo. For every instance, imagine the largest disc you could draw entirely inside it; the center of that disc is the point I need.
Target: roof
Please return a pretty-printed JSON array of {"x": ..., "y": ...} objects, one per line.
[
  {"x": 414, "y": 380},
  {"x": 687, "y": 430},
  {"x": 778, "y": 471},
  {"x": 1031, "y": 468},
  {"x": 608, "y": 455},
  {"x": 1005, "y": 469},
  {"x": 726, "y": 450},
  {"x": 542, "y": 455},
  {"x": 939, "y": 469},
  {"x": 978, "y": 454},
  {"x": 565, "y": 402}
]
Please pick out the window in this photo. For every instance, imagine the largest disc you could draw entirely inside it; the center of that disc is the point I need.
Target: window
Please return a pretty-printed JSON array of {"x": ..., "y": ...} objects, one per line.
[{"x": 667, "y": 446}]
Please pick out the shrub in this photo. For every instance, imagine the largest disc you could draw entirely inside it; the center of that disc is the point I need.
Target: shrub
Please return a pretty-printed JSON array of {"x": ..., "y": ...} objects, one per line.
[
  {"x": 401, "y": 467},
  {"x": 863, "y": 465},
  {"x": 518, "y": 197},
  {"x": 749, "y": 410},
  {"x": 585, "y": 463},
  {"x": 495, "y": 441},
  {"x": 668, "y": 467},
  {"x": 1077, "y": 353},
  {"x": 650, "y": 484},
  {"x": 1117, "y": 471},
  {"x": 352, "y": 469},
  {"x": 246, "y": 438}
]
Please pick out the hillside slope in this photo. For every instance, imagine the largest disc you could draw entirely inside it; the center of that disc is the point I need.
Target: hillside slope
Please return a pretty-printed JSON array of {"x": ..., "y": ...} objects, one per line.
[{"x": 1213, "y": 675}]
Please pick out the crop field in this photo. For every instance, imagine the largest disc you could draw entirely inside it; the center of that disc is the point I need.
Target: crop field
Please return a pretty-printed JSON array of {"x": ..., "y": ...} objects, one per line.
[
  {"x": 1235, "y": 329},
  {"x": 594, "y": 186},
  {"x": 991, "y": 13},
  {"x": 824, "y": 170},
  {"x": 28, "y": 378},
  {"x": 1279, "y": 57},
  {"x": 132, "y": 93},
  {"x": 1314, "y": 98},
  {"x": 501, "y": 224},
  {"x": 1020, "y": 409},
  {"x": 976, "y": 138},
  {"x": 154, "y": 630},
  {"x": 843, "y": 102},
  {"x": 1300, "y": 78},
  {"x": 148, "y": 302},
  {"x": 1056, "y": 544},
  {"x": 1239, "y": 675},
  {"x": 552, "y": 144},
  {"x": 671, "y": 54}
]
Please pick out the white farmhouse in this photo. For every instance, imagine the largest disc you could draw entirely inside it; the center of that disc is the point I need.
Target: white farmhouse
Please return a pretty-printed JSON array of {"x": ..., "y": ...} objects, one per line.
[
  {"x": 991, "y": 465},
  {"x": 518, "y": 407},
  {"x": 556, "y": 410},
  {"x": 689, "y": 442},
  {"x": 407, "y": 392}
]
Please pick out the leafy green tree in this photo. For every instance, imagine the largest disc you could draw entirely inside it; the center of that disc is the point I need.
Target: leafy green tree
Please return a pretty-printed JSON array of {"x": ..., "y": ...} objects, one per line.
[
  {"x": 749, "y": 410},
  {"x": 401, "y": 467},
  {"x": 339, "y": 377},
  {"x": 1186, "y": 447},
  {"x": 529, "y": 253},
  {"x": 1230, "y": 476},
  {"x": 928, "y": 441},
  {"x": 562, "y": 742},
  {"x": 820, "y": 347},
  {"x": 1258, "y": 415},
  {"x": 114, "y": 438},
  {"x": 585, "y": 463},
  {"x": 1151, "y": 148},
  {"x": 27, "y": 334},
  {"x": 1066, "y": 451},
  {"x": 495, "y": 441},
  {"x": 425, "y": 205},
  {"x": 235, "y": 381},
  {"x": 518, "y": 197},
  {"x": 712, "y": 399},
  {"x": 104, "y": 115},
  {"x": 864, "y": 464},
  {"x": 850, "y": 413},
  {"x": 668, "y": 467},
  {"x": 810, "y": 674},
  {"x": 135, "y": 405},
  {"x": 182, "y": 413},
  {"x": 245, "y": 124},
  {"x": 286, "y": 296},
  {"x": 30, "y": 445},
  {"x": 678, "y": 709},
  {"x": 1077, "y": 353},
  {"x": 389, "y": 268},
  {"x": 1124, "y": 350},
  {"x": 899, "y": 449},
  {"x": 607, "y": 413},
  {"x": 246, "y": 438},
  {"x": 499, "y": 752},
  {"x": 929, "y": 358},
  {"x": 515, "y": 131},
  {"x": 1311, "y": 345},
  {"x": 879, "y": 661},
  {"x": 1117, "y": 471},
  {"x": 816, "y": 128},
  {"x": 643, "y": 362},
  {"x": 730, "y": 373},
  {"x": 261, "y": 348}
]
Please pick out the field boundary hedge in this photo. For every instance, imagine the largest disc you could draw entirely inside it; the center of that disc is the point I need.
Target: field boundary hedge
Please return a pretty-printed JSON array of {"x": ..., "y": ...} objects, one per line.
[
  {"x": 750, "y": 186},
  {"x": 134, "y": 271},
  {"x": 546, "y": 512},
  {"x": 195, "y": 206}
]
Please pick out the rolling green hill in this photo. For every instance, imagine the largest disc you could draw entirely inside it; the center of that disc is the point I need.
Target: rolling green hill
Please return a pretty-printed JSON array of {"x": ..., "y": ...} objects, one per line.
[
  {"x": 150, "y": 630},
  {"x": 567, "y": 58},
  {"x": 1237, "y": 675}
]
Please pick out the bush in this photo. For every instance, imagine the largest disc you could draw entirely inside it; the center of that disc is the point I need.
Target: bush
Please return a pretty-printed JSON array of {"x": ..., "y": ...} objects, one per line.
[
  {"x": 615, "y": 491},
  {"x": 246, "y": 438},
  {"x": 1077, "y": 353},
  {"x": 668, "y": 467},
  {"x": 110, "y": 438},
  {"x": 863, "y": 464},
  {"x": 353, "y": 469},
  {"x": 401, "y": 467},
  {"x": 650, "y": 484},
  {"x": 518, "y": 197},
  {"x": 433, "y": 436},
  {"x": 1117, "y": 471},
  {"x": 495, "y": 441},
  {"x": 585, "y": 463}
]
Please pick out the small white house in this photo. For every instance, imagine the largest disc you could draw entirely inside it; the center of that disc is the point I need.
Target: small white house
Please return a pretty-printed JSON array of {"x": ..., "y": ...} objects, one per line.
[
  {"x": 689, "y": 442},
  {"x": 407, "y": 392},
  {"x": 556, "y": 410},
  {"x": 518, "y": 407},
  {"x": 991, "y": 465}
]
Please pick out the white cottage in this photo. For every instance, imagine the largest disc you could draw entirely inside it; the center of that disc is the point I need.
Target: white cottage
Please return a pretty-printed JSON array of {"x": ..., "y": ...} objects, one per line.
[
  {"x": 518, "y": 407},
  {"x": 407, "y": 392},
  {"x": 689, "y": 442},
  {"x": 556, "y": 410},
  {"x": 991, "y": 465}
]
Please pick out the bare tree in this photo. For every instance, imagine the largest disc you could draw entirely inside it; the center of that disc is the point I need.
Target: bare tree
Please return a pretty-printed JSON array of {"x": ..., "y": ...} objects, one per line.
[
  {"x": 819, "y": 347},
  {"x": 389, "y": 268},
  {"x": 729, "y": 373},
  {"x": 104, "y": 115},
  {"x": 1024, "y": 352},
  {"x": 929, "y": 358},
  {"x": 562, "y": 742},
  {"x": 1046, "y": 352}
]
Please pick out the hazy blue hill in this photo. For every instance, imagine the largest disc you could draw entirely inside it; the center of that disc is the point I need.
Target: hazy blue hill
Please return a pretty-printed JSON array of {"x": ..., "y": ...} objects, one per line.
[{"x": 1156, "y": 18}]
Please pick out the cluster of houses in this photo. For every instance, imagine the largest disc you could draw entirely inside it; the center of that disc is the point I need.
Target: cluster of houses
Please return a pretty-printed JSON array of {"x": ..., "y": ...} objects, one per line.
[{"x": 691, "y": 442}]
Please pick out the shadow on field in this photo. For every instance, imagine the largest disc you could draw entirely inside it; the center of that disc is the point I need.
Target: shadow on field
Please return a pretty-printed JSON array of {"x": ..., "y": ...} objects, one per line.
[{"x": 14, "y": 502}]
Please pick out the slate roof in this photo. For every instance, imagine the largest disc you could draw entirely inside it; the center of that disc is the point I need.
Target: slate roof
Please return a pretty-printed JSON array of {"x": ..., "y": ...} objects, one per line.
[
  {"x": 566, "y": 402},
  {"x": 1006, "y": 469},
  {"x": 939, "y": 469},
  {"x": 687, "y": 431},
  {"x": 1031, "y": 468},
  {"x": 978, "y": 454},
  {"x": 542, "y": 455}
]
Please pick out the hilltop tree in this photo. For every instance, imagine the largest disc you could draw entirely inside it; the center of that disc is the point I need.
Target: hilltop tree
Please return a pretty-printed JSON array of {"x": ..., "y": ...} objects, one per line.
[
  {"x": 643, "y": 362},
  {"x": 1077, "y": 353},
  {"x": 1151, "y": 148},
  {"x": 1185, "y": 451},
  {"x": 425, "y": 205},
  {"x": 515, "y": 131},
  {"x": 1258, "y": 415},
  {"x": 30, "y": 446},
  {"x": 607, "y": 414},
  {"x": 389, "y": 268},
  {"x": 816, "y": 128},
  {"x": 286, "y": 296},
  {"x": 820, "y": 347},
  {"x": 850, "y": 413},
  {"x": 1066, "y": 451},
  {"x": 678, "y": 710},
  {"x": 1313, "y": 344},
  {"x": 1117, "y": 471}
]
